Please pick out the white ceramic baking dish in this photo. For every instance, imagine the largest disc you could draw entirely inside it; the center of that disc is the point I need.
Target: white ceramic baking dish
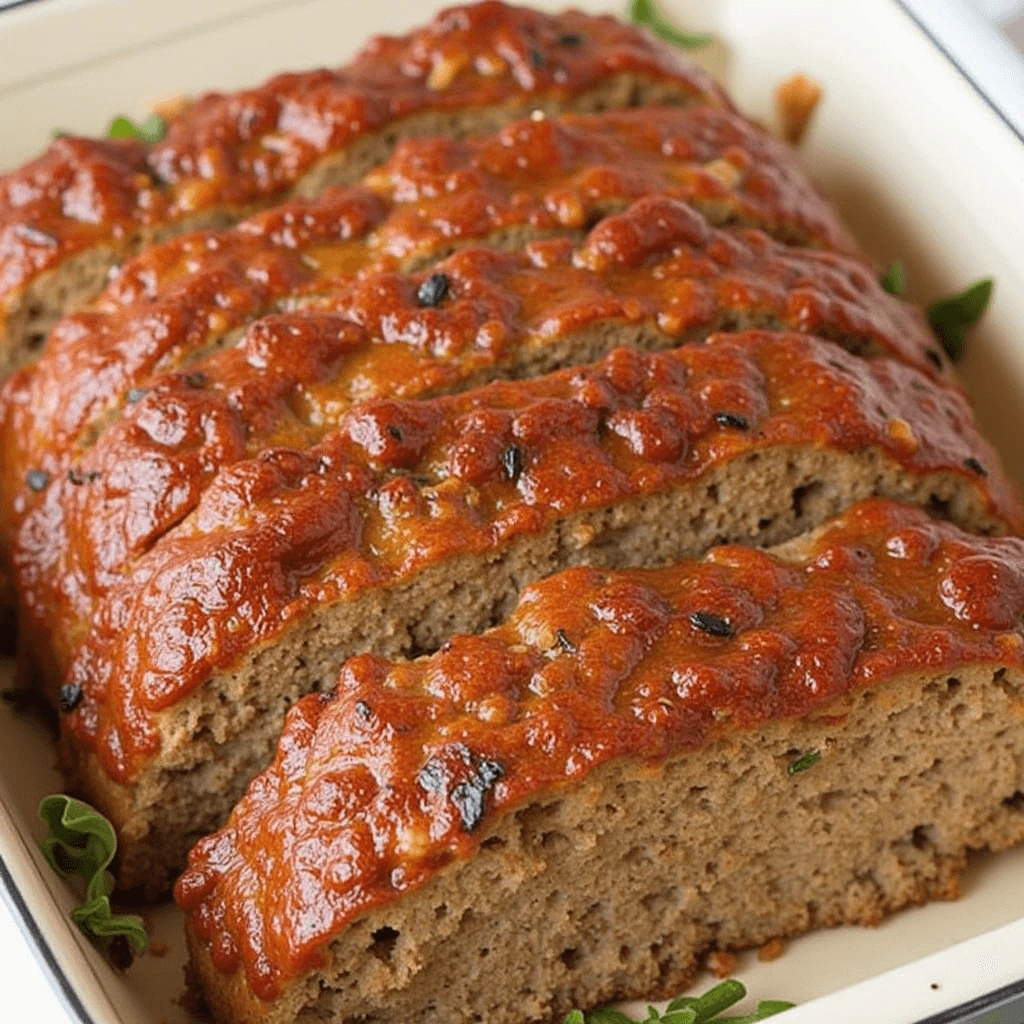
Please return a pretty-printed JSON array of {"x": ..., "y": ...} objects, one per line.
[{"x": 923, "y": 167}]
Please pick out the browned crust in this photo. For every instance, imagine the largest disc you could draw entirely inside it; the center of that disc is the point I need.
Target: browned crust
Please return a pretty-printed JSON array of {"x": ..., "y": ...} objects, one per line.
[{"x": 108, "y": 197}]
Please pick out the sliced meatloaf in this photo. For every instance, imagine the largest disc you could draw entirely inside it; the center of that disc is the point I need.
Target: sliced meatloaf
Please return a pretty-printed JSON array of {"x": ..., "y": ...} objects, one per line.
[
  {"x": 653, "y": 276},
  {"x": 85, "y": 205},
  {"x": 413, "y": 519},
  {"x": 635, "y": 768}
]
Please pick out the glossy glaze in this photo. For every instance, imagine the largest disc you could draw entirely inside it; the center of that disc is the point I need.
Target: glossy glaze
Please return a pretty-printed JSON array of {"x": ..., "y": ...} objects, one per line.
[
  {"x": 398, "y": 486},
  {"x": 234, "y": 151},
  {"x": 657, "y": 268},
  {"x": 404, "y": 767},
  {"x": 534, "y": 178}
]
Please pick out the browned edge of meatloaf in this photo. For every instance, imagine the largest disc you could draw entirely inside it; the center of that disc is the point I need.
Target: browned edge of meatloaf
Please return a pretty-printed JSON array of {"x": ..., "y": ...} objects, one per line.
[
  {"x": 219, "y": 736},
  {"x": 26, "y": 315},
  {"x": 617, "y": 887}
]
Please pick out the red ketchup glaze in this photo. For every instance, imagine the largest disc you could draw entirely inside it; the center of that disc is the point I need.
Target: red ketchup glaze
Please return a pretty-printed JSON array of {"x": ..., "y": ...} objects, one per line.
[
  {"x": 251, "y": 147},
  {"x": 656, "y": 269},
  {"x": 539, "y": 177},
  {"x": 403, "y": 769},
  {"x": 80, "y": 192},
  {"x": 400, "y": 485}
]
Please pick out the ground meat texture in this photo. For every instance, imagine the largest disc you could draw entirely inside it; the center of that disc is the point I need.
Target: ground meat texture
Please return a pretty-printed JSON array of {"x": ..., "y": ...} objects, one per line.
[
  {"x": 597, "y": 869},
  {"x": 294, "y": 559}
]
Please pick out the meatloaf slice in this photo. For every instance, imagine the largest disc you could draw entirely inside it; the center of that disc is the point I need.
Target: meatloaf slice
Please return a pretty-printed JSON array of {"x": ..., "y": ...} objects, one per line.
[
  {"x": 85, "y": 205},
  {"x": 574, "y": 807},
  {"x": 416, "y": 519},
  {"x": 653, "y": 276}
]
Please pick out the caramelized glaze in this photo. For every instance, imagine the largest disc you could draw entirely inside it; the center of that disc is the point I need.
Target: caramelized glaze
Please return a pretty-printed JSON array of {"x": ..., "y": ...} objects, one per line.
[
  {"x": 656, "y": 271},
  {"x": 226, "y": 153},
  {"x": 402, "y": 770},
  {"x": 398, "y": 486}
]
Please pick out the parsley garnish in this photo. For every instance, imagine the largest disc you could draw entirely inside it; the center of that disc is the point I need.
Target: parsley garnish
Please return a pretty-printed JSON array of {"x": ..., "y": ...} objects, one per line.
[
  {"x": 82, "y": 842},
  {"x": 152, "y": 129},
  {"x": 804, "y": 761},
  {"x": 894, "y": 280},
  {"x": 645, "y": 12},
  {"x": 703, "y": 1009},
  {"x": 951, "y": 317}
]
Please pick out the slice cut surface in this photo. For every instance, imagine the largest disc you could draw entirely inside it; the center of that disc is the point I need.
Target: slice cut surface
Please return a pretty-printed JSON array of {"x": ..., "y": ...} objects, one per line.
[
  {"x": 416, "y": 519},
  {"x": 653, "y": 276},
  {"x": 607, "y": 780}
]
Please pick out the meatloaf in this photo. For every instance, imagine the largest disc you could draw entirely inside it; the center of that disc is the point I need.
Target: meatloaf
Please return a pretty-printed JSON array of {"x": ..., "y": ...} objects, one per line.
[
  {"x": 653, "y": 276},
  {"x": 85, "y": 205},
  {"x": 412, "y": 519},
  {"x": 635, "y": 768}
]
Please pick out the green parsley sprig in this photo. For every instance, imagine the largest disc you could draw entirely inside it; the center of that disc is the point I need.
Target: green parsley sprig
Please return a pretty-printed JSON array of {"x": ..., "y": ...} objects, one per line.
[
  {"x": 894, "y": 280},
  {"x": 645, "y": 12},
  {"x": 804, "y": 761},
  {"x": 81, "y": 842},
  {"x": 153, "y": 129},
  {"x": 705, "y": 1009},
  {"x": 951, "y": 317}
]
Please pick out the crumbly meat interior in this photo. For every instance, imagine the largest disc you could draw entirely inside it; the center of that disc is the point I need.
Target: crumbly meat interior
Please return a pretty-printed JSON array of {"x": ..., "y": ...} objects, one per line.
[
  {"x": 618, "y": 886},
  {"x": 226, "y": 731}
]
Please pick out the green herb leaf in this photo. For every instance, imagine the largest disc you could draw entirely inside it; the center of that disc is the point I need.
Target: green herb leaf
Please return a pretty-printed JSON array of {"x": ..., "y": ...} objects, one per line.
[
  {"x": 704, "y": 1009},
  {"x": 688, "y": 1016},
  {"x": 770, "y": 1007},
  {"x": 765, "y": 1009},
  {"x": 721, "y": 997},
  {"x": 122, "y": 128},
  {"x": 645, "y": 12},
  {"x": 951, "y": 317},
  {"x": 152, "y": 129},
  {"x": 804, "y": 761},
  {"x": 894, "y": 280},
  {"x": 606, "y": 1015},
  {"x": 80, "y": 841}
]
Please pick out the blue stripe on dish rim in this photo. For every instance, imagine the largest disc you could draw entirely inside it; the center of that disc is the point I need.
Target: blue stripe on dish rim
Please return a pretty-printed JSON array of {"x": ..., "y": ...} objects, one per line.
[{"x": 1004, "y": 1006}]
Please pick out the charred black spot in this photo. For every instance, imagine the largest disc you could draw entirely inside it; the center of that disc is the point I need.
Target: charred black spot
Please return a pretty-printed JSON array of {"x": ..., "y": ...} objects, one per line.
[
  {"x": 37, "y": 479},
  {"x": 77, "y": 477},
  {"x": 514, "y": 462},
  {"x": 570, "y": 39},
  {"x": 470, "y": 797},
  {"x": 433, "y": 290},
  {"x": 71, "y": 695},
  {"x": 396, "y": 432},
  {"x": 935, "y": 357},
  {"x": 432, "y": 776},
  {"x": 134, "y": 395},
  {"x": 732, "y": 419},
  {"x": 564, "y": 642},
  {"x": 195, "y": 379},
  {"x": 476, "y": 775},
  {"x": 713, "y": 625},
  {"x": 975, "y": 466},
  {"x": 364, "y": 710},
  {"x": 538, "y": 58}
]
